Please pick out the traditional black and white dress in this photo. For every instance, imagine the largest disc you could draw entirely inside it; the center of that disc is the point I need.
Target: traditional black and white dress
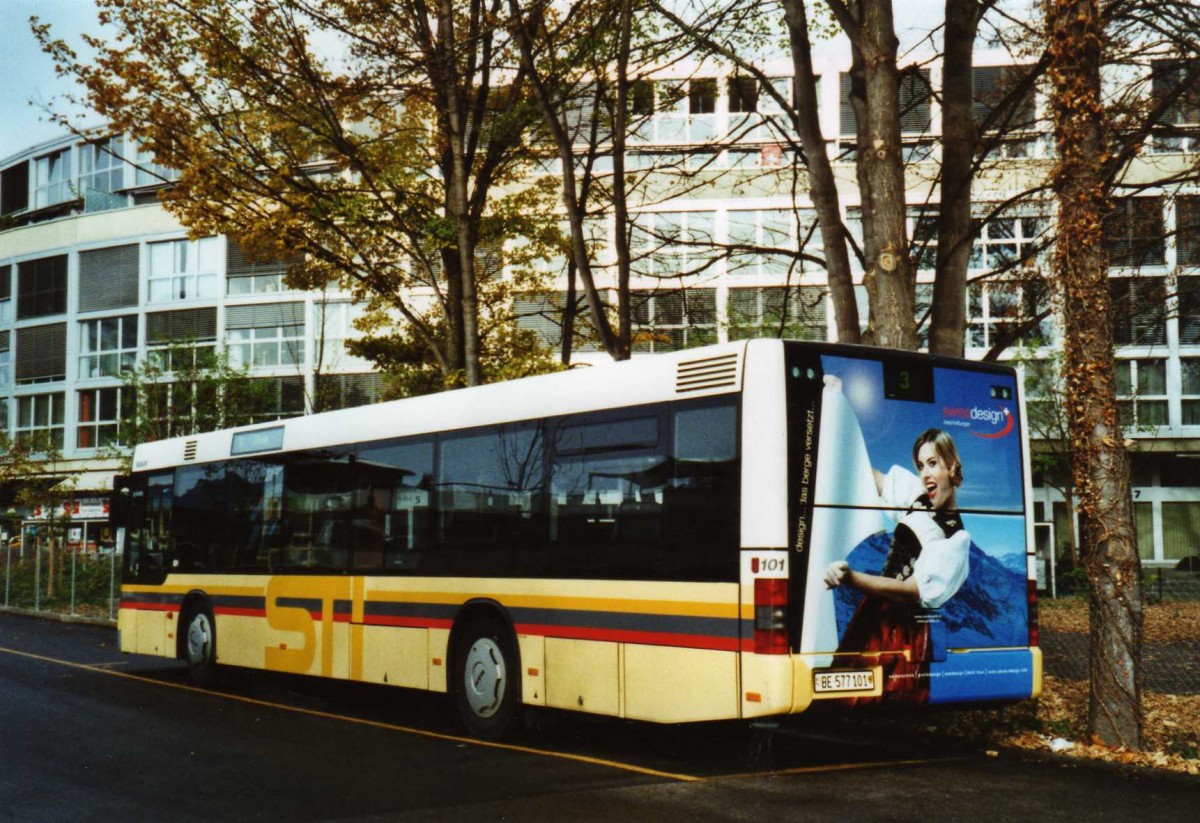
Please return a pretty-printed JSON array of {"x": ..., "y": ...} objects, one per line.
[{"x": 932, "y": 547}]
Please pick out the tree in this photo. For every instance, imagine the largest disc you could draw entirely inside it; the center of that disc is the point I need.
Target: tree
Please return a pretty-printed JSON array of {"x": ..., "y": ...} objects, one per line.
[
  {"x": 185, "y": 389},
  {"x": 377, "y": 158},
  {"x": 883, "y": 94},
  {"x": 1075, "y": 33},
  {"x": 34, "y": 476}
]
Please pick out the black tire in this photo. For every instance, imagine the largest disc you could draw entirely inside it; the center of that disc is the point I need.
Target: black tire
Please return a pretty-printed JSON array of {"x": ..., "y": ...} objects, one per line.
[
  {"x": 487, "y": 677},
  {"x": 200, "y": 647}
]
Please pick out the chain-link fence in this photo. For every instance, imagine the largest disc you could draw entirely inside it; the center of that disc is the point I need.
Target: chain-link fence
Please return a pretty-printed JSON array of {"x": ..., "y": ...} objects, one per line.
[
  {"x": 1171, "y": 635},
  {"x": 62, "y": 579}
]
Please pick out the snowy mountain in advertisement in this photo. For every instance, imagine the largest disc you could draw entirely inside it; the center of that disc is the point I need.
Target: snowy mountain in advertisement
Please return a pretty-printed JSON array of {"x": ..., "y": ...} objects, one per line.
[{"x": 989, "y": 611}]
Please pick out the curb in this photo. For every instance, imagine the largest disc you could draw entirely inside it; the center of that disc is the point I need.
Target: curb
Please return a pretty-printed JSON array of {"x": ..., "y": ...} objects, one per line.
[{"x": 83, "y": 620}]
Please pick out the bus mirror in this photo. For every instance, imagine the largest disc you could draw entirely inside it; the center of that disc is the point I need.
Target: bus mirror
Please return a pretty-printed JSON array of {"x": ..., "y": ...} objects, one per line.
[{"x": 120, "y": 502}]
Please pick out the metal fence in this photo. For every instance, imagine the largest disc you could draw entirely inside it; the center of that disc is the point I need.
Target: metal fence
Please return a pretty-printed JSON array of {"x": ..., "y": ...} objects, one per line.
[
  {"x": 1171, "y": 635},
  {"x": 73, "y": 582}
]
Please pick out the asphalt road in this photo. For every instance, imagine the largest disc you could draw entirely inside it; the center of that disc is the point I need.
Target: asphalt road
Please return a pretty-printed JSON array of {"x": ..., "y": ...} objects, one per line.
[{"x": 89, "y": 734}]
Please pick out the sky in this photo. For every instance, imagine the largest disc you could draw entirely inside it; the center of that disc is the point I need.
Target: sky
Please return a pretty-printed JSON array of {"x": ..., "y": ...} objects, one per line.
[{"x": 28, "y": 74}]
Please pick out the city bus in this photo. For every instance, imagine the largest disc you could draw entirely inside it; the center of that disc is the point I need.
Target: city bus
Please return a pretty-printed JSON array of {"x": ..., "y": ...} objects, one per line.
[{"x": 692, "y": 536}]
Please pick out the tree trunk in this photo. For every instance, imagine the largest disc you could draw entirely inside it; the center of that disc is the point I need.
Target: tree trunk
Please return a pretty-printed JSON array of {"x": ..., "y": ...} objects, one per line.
[
  {"x": 1101, "y": 466},
  {"x": 822, "y": 186},
  {"x": 889, "y": 273},
  {"x": 948, "y": 321}
]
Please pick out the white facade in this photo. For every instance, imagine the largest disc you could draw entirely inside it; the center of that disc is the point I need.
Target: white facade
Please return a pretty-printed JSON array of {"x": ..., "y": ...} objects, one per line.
[{"x": 98, "y": 223}]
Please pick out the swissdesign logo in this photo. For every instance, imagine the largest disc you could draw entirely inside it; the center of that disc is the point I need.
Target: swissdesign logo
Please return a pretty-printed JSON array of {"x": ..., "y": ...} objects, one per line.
[{"x": 1001, "y": 418}]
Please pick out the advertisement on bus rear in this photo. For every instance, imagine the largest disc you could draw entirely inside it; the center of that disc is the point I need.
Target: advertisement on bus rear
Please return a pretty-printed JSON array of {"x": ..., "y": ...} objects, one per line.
[{"x": 917, "y": 569}]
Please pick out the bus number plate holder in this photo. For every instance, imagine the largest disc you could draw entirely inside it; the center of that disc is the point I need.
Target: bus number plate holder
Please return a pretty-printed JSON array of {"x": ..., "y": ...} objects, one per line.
[{"x": 857, "y": 680}]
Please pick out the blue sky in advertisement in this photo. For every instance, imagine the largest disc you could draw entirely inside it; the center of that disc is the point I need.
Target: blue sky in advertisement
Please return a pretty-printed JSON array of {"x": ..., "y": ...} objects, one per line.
[{"x": 986, "y": 430}]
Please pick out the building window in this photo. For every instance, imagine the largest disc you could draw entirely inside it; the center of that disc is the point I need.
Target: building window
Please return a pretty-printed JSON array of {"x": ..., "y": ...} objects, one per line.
[
  {"x": 52, "y": 179},
  {"x": 1139, "y": 310},
  {"x": 997, "y": 309},
  {"x": 344, "y": 391},
  {"x": 1135, "y": 234},
  {"x": 670, "y": 244},
  {"x": 675, "y": 111},
  {"x": 181, "y": 340},
  {"x": 1190, "y": 394},
  {"x": 743, "y": 95},
  {"x": 998, "y": 99},
  {"x": 1189, "y": 310},
  {"x": 42, "y": 287},
  {"x": 265, "y": 336},
  {"x": 102, "y": 174},
  {"x": 14, "y": 188},
  {"x": 754, "y": 234},
  {"x": 245, "y": 276},
  {"x": 1175, "y": 130},
  {"x": 5, "y": 357},
  {"x": 184, "y": 269},
  {"x": 915, "y": 111},
  {"x": 41, "y": 353},
  {"x": 333, "y": 325},
  {"x": 1187, "y": 230},
  {"x": 275, "y": 398},
  {"x": 108, "y": 346},
  {"x": 6, "y": 316},
  {"x": 149, "y": 173},
  {"x": 924, "y": 234},
  {"x": 1005, "y": 243},
  {"x": 1142, "y": 393},
  {"x": 672, "y": 320},
  {"x": 40, "y": 420},
  {"x": 100, "y": 414},
  {"x": 798, "y": 313},
  {"x": 1181, "y": 529}
]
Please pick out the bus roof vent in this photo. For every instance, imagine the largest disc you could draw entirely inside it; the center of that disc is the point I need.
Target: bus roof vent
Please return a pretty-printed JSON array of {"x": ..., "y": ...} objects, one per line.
[
  {"x": 189, "y": 450},
  {"x": 717, "y": 372}
]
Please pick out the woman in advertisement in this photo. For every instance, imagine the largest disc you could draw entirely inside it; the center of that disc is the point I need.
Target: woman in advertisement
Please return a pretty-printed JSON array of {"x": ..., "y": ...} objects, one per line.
[{"x": 926, "y": 564}]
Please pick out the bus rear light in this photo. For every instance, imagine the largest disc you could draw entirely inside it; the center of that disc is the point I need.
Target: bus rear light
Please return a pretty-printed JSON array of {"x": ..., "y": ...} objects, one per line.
[
  {"x": 770, "y": 616},
  {"x": 1031, "y": 597}
]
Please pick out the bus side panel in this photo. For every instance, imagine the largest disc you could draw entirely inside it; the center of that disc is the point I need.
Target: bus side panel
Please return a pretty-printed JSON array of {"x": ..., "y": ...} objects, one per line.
[
  {"x": 396, "y": 656},
  {"x": 583, "y": 675},
  {"x": 241, "y": 640},
  {"x": 146, "y": 632},
  {"x": 668, "y": 685}
]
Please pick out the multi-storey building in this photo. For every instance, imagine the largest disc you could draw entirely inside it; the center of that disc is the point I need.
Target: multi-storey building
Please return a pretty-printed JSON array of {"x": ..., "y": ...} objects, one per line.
[{"x": 95, "y": 276}]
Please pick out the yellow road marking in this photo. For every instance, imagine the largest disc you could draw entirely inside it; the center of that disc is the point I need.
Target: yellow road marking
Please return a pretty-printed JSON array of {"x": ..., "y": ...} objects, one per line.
[
  {"x": 836, "y": 767},
  {"x": 595, "y": 761}
]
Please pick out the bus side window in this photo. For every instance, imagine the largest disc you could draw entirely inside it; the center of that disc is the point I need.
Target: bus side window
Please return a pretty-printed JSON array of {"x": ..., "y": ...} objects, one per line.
[
  {"x": 606, "y": 498},
  {"x": 703, "y": 500},
  {"x": 201, "y": 519},
  {"x": 490, "y": 484},
  {"x": 391, "y": 515},
  {"x": 318, "y": 494},
  {"x": 148, "y": 534}
]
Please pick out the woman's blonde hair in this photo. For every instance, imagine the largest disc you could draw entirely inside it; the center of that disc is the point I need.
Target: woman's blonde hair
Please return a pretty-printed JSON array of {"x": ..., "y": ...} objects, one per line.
[{"x": 944, "y": 448}]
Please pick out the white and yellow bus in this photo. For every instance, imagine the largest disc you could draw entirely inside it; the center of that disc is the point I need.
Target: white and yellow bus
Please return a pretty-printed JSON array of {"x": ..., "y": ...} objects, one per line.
[{"x": 684, "y": 537}]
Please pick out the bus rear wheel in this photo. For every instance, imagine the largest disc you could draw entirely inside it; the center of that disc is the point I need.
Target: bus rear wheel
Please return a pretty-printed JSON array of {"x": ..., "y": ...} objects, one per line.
[
  {"x": 488, "y": 681},
  {"x": 200, "y": 647}
]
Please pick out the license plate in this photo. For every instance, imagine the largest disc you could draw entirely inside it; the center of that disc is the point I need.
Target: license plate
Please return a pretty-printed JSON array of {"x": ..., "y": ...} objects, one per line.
[{"x": 845, "y": 681}]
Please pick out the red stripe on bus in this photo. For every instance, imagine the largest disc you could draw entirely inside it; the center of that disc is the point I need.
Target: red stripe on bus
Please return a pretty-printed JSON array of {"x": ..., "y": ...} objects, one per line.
[
  {"x": 691, "y": 641},
  {"x": 408, "y": 622},
  {"x": 234, "y": 611},
  {"x": 149, "y": 607}
]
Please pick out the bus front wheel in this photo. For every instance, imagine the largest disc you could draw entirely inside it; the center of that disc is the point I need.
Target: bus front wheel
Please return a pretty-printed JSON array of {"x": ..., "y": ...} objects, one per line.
[
  {"x": 200, "y": 647},
  {"x": 487, "y": 691}
]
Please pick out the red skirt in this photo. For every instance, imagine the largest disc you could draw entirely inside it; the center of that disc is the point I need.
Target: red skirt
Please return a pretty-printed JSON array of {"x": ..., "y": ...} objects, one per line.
[{"x": 890, "y": 635}]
